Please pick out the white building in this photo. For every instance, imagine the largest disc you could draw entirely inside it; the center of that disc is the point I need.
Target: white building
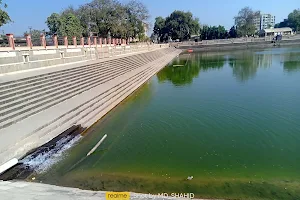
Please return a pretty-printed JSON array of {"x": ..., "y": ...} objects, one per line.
[
  {"x": 264, "y": 21},
  {"x": 276, "y": 31}
]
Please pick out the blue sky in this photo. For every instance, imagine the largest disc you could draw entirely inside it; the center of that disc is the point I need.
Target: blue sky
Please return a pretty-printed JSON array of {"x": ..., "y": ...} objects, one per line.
[{"x": 212, "y": 12}]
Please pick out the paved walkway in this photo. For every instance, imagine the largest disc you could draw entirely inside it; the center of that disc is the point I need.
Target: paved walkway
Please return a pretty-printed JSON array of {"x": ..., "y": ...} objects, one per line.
[{"x": 19, "y": 190}]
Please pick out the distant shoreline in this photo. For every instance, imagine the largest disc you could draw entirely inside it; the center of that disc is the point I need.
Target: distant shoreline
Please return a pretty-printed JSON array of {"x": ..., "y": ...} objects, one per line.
[{"x": 235, "y": 46}]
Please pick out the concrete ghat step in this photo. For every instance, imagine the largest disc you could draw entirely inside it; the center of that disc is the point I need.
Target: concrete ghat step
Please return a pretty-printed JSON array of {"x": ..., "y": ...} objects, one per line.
[
  {"x": 19, "y": 93},
  {"x": 50, "y": 74},
  {"x": 61, "y": 108},
  {"x": 46, "y": 89},
  {"x": 106, "y": 108},
  {"x": 20, "y": 106},
  {"x": 28, "y": 108},
  {"x": 62, "y": 77},
  {"x": 18, "y": 103}
]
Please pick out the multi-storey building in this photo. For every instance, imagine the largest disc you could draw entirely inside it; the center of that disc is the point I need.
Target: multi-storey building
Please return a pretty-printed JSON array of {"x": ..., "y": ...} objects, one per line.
[{"x": 264, "y": 21}]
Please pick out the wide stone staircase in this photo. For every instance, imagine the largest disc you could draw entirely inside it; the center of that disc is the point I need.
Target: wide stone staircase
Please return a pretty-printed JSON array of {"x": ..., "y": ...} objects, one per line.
[{"x": 35, "y": 109}]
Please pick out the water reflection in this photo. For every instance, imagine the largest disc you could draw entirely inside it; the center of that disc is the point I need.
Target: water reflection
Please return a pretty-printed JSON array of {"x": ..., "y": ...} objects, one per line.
[
  {"x": 244, "y": 65},
  {"x": 291, "y": 62},
  {"x": 186, "y": 67}
]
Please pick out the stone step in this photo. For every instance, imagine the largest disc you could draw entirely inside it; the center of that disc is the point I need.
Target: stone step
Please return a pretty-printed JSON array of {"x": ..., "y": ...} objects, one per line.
[
  {"x": 16, "y": 94},
  {"x": 36, "y": 103},
  {"x": 19, "y": 112},
  {"x": 23, "y": 83},
  {"x": 24, "y": 80}
]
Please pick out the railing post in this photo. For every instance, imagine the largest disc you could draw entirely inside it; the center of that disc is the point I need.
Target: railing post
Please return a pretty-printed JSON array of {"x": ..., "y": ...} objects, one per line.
[
  {"x": 95, "y": 41},
  {"x": 28, "y": 41},
  {"x": 114, "y": 41},
  {"x": 55, "y": 41},
  {"x": 74, "y": 41},
  {"x": 100, "y": 42},
  {"x": 109, "y": 41},
  {"x": 82, "y": 41},
  {"x": 66, "y": 41},
  {"x": 105, "y": 41},
  {"x": 43, "y": 40},
  {"x": 89, "y": 41},
  {"x": 10, "y": 39}
]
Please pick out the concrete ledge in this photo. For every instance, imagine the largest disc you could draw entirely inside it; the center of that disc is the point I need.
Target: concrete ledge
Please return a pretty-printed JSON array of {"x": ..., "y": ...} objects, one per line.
[{"x": 31, "y": 191}]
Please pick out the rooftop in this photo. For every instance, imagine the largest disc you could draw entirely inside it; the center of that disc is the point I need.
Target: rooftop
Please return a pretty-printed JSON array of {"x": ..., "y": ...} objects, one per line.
[{"x": 272, "y": 30}]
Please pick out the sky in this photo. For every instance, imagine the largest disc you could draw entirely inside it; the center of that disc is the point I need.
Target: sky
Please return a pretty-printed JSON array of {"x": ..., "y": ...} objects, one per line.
[{"x": 33, "y": 13}]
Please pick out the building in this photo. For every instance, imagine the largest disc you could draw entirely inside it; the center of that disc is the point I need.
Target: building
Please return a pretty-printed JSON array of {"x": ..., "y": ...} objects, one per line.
[
  {"x": 264, "y": 21},
  {"x": 276, "y": 31}
]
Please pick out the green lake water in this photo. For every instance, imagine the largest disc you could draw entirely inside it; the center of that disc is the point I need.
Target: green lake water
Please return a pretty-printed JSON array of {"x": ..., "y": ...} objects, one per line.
[{"x": 229, "y": 119}]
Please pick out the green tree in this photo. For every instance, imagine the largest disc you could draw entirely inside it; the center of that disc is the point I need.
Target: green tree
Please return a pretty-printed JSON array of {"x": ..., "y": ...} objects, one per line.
[
  {"x": 213, "y": 32},
  {"x": 245, "y": 21},
  {"x": 4, "y": 17},
  {"x": 232, "y": 32},
  {"x": 294, "y": 19},
  {"x": 70, "y": 26},
  {"x": 53, "y": 23},
  {"x": 181, "y": 25}
]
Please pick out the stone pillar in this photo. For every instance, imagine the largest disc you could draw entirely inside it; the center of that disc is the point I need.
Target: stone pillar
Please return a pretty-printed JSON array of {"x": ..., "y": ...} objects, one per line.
[
  {"x": 123, "y": 41},
  {"x": 55, "y": 41},
  {"x": 11, "y": 41},
  {"x": 105, "y": 41},
  {"x": 82, "y": 41},
  {"x": 95, "y": 41},
  {"x": 74, "y": 41},
  {"x": 100, "y": 42},
  {"x": 109, "y": 41},
  {"x": 28, "y": 41},
  {"x": 114, "y": 41},
  {"x": 89, "y": 41},
  {"x": 43, "y": 40},
  {"x": 66, "y": 43}
]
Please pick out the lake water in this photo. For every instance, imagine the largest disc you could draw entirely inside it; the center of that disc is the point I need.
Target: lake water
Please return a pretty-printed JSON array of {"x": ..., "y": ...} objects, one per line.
[{"x": 229, "y": 119}]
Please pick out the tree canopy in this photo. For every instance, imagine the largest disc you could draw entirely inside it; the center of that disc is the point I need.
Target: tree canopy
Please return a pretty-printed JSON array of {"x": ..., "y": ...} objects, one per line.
[
  {"x": 292, "y": 21},
  {"x": 245, "y": 21},
  {"x": 106, "y": 18},
  {"x": 213, "y": 32},
  {"x": 4, "y": 17},
  {"x": 179, "y": 25}
]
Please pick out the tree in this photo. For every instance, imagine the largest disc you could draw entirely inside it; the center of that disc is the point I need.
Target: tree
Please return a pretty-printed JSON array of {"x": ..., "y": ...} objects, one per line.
[
  {"x": 159, "y": 27},
  {"x": 70, "y": 26},
  {"x": 294, "y": 19},
  {"x": 181, "y": 25},
  {"x": 53, "y": 23},
  {"x": 245, "y": 21},
  {"x": 232, "y": 32},
  {"x": 4, "y": 17},
  {"x": 213, "y": 32}
]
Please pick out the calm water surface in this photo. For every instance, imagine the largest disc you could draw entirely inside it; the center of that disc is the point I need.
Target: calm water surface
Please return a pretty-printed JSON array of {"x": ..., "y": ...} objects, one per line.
[{"x": 229, "y": 119}]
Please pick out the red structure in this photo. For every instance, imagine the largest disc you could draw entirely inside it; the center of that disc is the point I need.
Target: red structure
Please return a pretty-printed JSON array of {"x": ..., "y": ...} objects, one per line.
[
  {"x": 11, "y": 41},
  {"x": 55, "y": 41},
  {"x": 66, "y": 41},
  {"x": 28, "y": 41},
  {"x": 74, "y": 41},
  {"x": 43, "y": 40},
  {"x": 82, "y": 41}
]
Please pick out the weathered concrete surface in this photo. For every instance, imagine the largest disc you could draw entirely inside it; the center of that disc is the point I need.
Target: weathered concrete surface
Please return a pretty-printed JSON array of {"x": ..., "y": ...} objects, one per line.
[
  {"x": 225, "y": 46},
  {"x": 19, "y": 190},
  {"x": 24, "y": 58}
]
